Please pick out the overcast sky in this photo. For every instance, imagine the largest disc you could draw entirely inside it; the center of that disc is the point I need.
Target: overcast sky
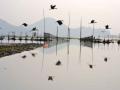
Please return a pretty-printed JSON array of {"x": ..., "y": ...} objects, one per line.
[{"x": 30, "y": 11}]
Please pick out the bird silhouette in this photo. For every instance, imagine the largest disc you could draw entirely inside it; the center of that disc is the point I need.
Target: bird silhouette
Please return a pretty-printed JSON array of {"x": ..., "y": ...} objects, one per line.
[
  {"x": 25, "y": 24},
  {"x": 93, "y": 21},
  {"x": 34, "y": 29},
  {"x": 107, "y": 27},
  {"x": 118, "y": 42},
  {"x": 50, "y": 78},
  {"x": 105, "y": 59},
  {"x": 33, "y": 54},
  {"x": 52, "y": 7},
  {"x": 91, "y": 66},
  {"x": 58, "y": 63},
  {"x": 24, "y": 56},
  {"x": 60, "y": 22}
]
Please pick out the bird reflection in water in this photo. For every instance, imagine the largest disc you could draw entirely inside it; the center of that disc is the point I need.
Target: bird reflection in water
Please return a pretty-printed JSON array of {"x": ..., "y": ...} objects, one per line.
[{"x": 50, "y": 78}]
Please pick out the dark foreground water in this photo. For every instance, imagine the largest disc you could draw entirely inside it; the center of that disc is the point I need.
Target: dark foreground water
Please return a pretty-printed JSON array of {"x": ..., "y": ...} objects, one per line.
[{"x": 32, "y": 72}]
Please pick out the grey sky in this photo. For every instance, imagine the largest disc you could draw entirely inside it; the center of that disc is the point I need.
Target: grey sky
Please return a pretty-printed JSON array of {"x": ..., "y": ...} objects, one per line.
[{"x": 30, "y": 11}]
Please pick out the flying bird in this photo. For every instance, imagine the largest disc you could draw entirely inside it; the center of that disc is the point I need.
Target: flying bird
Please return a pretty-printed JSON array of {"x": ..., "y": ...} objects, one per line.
[
  {"x": 60, "y": 22},
  {"x": 93, "y": 21},
  {"x": 107, "y": 27},
  {"x": 34, "y": 29},
  {"x": 52, "y": 7},
  {"x": 118, "y": 42},
  {"x": 105, "y": 59},
  {"x": 90, "y": 66},
  {"x": 25, "y": 24},
  {"x": 50, "y": 78},
  {"x": 58, "y": 63}
]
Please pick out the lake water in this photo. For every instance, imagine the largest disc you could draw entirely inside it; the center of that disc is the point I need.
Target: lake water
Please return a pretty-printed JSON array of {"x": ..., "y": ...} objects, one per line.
[{"x": 74, "y": 73}]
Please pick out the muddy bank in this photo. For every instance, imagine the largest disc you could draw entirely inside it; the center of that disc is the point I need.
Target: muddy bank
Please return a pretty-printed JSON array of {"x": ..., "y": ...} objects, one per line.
[{"x": 10, "y": 49}]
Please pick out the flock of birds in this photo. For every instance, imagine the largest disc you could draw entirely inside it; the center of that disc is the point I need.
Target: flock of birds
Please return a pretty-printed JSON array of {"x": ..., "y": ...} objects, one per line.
[
  {"x": 52, "y": 7},
  {"x": 60, "y": 22},
  {"x": 92, "y": 66},
  {"x": 58, "y": 63}
]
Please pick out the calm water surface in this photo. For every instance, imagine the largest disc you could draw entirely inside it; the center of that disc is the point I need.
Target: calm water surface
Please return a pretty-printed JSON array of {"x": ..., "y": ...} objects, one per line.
[{"x": 74, "y": 73}]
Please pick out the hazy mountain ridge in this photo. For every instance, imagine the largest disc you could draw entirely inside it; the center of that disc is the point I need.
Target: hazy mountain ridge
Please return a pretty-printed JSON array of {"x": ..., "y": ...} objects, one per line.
[
  {"x": 6, "y": 28},
  {"x": 50, "y": 27}
]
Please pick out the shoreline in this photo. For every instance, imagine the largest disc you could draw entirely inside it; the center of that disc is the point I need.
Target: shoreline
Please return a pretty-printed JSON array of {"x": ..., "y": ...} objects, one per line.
[{"x": 10, "y": 49}]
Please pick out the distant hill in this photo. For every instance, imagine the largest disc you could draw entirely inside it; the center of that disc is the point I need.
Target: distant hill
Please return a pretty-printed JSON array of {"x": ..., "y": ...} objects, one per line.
[
  {"x": 50, "y": 27},
  {"x": 6, "y": 28}
]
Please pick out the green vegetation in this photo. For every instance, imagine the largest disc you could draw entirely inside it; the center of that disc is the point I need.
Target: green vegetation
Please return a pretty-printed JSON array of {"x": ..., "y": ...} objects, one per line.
[{"x": 6, "y": 50}]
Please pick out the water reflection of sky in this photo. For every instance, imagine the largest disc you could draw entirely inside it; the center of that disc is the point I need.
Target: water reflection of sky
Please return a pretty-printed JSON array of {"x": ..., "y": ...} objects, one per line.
[{"x": 74, "y": 73}]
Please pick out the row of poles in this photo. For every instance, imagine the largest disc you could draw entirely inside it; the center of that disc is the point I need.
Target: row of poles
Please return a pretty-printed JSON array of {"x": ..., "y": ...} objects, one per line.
[
  {"x": 60, "y": 22},
  {"x": 21, "y": 38}
]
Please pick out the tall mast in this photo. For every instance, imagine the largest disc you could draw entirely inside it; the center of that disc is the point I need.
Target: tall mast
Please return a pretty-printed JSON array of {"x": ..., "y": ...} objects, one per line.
[
  {"x": 44, "y": 41},
  {"x": 69, "y": 26},
  {"x": 44, "y": 23},
  {"x": 80, "y": 28}
]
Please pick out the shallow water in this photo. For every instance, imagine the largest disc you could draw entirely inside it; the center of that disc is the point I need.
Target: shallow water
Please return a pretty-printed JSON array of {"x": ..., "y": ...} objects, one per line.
[{"x": 32, "y": 73}]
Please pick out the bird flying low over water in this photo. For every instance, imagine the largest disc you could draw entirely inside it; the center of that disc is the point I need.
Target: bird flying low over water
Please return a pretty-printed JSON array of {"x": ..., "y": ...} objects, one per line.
[
  {"x": 50, "y": 78},
  {"x": 52, "y": 7},
  {"x": 60, "y": 22},
  {"x": 93, "y": 21},
  {"x": 107, "y": 27},
  {"x": 25, "y": 24}
]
